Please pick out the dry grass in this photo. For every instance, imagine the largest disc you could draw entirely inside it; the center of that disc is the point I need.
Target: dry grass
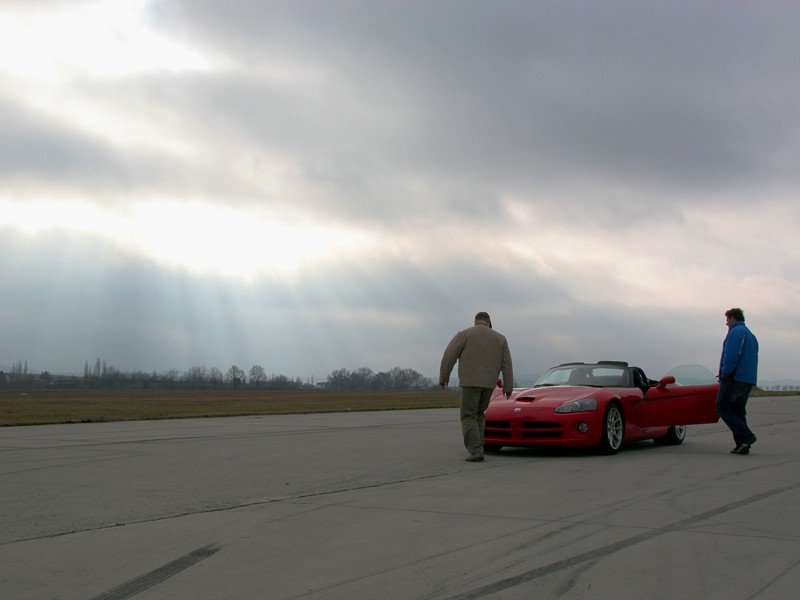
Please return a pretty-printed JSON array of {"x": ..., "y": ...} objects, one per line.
[
  {"x": 756, "y": 392},
  {"x": 44, "y": 406}
]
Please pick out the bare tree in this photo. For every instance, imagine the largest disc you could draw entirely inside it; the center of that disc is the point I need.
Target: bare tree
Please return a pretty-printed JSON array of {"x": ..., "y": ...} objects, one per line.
[
  {"x": 396, "y": 378},
  {"x": 111, "y": 375},
  {"x": 196, "y": 376},
  {"x": 339, "y": 379},
  {"x": 214, "y": 376},
  {"x": 171, "y": 376},
  {"x": 257, "y": 375},
  {"x": 235, "y": 376},
  {"x": 18, "y": 371},
  {"x": 279, "y": 382},
  {"x": 362, "y": 378}
]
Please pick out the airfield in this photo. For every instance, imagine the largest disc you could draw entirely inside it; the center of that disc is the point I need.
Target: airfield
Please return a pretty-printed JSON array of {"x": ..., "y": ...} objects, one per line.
[{"x": 381, "y": 505}]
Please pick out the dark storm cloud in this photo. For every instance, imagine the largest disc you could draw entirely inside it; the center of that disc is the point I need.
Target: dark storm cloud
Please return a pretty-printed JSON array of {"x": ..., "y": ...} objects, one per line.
[
  {"x": 36, "y": 147},
  {"x": 390, "y": 110},
  {"x": 397, "y": 286},
  {"x": 505, "y": 94}
]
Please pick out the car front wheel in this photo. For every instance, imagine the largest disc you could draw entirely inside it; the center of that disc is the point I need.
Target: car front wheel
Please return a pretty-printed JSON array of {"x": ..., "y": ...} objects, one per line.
[
  {"x": 675, "y": 436},
  {"x": 613, "y": 430}
]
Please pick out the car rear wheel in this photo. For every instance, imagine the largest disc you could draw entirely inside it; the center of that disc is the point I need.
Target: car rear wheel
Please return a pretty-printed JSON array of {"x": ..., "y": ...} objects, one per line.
[
  {"x": 613, "y": 430},
  {"x": 675, "y": 436}
]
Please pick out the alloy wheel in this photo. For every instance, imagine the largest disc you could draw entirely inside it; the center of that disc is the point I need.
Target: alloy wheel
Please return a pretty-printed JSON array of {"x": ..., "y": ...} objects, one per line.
[{"x": 614, "y": 428}]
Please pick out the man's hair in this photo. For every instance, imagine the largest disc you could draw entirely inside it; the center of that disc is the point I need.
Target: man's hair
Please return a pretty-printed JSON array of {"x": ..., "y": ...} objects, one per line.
[
  {"x": 735, "y": 313},
  {"x": 484, "y": 316}
]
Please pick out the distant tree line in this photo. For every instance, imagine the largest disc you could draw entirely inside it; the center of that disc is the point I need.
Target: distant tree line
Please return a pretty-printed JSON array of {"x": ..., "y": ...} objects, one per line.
[
  {"x": 365, "y": 379},
  {"x": 17, "y": 375},
  {"x": 99, "y": 373},
  {"x": 780, "y": 388}
]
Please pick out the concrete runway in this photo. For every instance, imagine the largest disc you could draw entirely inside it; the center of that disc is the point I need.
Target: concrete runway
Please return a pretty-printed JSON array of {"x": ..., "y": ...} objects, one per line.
[{"x": 382, "y": 505}]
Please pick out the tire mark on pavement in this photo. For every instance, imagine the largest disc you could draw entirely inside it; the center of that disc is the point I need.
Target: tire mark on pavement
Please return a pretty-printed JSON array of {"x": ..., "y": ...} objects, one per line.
[
  {"x": 604, "y": 551},
  {"x": 241, "y": 505},
  {"x": 273, "y": 431},
  {"x": 156, "y": 576},
  {"x": 566, "y": 586},
  {"x": 66, "y": 463}
]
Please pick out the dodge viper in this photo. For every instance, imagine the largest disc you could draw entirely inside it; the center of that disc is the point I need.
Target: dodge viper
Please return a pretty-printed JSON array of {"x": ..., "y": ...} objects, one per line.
[{"x": 601, "y": 405}]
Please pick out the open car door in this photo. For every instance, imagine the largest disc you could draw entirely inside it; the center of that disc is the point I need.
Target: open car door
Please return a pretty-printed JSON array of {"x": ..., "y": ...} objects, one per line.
[{"x": 687, "y": 395}]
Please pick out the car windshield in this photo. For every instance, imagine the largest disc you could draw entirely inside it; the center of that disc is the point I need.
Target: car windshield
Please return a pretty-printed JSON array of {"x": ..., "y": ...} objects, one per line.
[
  {"x": 692, "y": 375},
  {"x": 588, "y": 375}
]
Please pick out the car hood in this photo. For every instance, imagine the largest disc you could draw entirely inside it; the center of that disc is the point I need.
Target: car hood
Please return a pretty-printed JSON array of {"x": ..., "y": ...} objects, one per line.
[{"x": 545, "y": 397}]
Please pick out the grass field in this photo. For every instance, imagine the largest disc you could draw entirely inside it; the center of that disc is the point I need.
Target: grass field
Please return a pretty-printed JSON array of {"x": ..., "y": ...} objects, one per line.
[
  {"x": 43, "y": 406},
  {"x": 757, "y": 392}
]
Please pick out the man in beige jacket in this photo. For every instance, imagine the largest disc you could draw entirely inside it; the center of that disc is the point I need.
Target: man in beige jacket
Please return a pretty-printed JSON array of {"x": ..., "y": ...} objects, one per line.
[{"x": 482, "y": 354}]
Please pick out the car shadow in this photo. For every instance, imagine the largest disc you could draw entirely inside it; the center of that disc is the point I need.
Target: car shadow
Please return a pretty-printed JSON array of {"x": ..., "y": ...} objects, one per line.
[{"x": 555, "y": 452}]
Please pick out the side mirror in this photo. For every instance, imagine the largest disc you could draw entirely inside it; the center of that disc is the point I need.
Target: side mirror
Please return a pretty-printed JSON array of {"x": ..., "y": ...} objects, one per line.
[{"x": 664, "y": 381}]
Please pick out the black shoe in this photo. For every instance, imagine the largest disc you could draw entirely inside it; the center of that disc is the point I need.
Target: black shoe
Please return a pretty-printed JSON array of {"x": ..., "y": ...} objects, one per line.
[{"x": 741, "y": 449}]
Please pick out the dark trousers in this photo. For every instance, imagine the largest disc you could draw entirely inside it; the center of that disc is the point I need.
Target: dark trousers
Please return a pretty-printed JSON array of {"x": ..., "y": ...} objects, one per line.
[
  {"x": 731, "y": 403},
  {"x": 474, "y": 402}
]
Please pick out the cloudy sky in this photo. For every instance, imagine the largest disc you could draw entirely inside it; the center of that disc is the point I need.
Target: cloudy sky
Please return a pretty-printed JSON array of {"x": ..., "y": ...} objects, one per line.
[{"x": 313, "y": 185}]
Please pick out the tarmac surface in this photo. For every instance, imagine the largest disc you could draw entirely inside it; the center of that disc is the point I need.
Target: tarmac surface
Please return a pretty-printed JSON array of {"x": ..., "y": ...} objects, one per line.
[{"x": 382, "y": 505}]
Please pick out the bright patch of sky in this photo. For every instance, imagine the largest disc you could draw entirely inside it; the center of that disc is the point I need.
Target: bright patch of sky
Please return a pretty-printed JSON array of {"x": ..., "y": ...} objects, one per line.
[
  {"x": 199, "y": 237},
  {"x": 111, "y": 39}
]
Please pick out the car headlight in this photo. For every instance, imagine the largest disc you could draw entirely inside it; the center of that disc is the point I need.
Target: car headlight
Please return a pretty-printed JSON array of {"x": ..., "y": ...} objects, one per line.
[{"x": 584, "y": 405}]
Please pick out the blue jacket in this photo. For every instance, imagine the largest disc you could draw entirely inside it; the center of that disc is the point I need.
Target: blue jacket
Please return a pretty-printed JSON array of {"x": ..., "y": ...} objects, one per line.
[{"x": 739, "y": 359}]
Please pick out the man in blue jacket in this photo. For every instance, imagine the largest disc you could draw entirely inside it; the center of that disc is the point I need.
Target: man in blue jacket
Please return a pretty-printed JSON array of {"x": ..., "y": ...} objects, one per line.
[{"x": 738, "y": 370}]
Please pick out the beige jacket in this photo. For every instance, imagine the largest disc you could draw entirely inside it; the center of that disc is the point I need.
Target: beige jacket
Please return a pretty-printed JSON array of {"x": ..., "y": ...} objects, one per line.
[{"x": 482, "y": 353}]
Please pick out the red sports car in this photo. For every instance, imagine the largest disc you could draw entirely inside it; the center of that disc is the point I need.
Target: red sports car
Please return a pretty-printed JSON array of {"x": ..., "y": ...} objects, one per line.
[{"x": 602, "y": 405}]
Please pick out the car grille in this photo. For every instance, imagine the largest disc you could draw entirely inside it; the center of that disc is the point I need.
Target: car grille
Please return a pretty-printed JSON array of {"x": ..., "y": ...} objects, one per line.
[
  {"x": 498, "y": 429},
  {"x": 540, "y": 429},
  {"x": 526, "y": 429}
]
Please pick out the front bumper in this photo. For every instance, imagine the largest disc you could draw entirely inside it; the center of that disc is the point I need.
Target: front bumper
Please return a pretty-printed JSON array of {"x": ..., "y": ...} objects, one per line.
[{"x": 551, "y": 429}]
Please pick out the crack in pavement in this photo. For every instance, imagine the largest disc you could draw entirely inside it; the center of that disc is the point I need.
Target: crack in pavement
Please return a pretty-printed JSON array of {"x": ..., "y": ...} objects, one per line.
[
  {"x": 768, "y": 585},
  {"x": 604, "y": 551}
]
